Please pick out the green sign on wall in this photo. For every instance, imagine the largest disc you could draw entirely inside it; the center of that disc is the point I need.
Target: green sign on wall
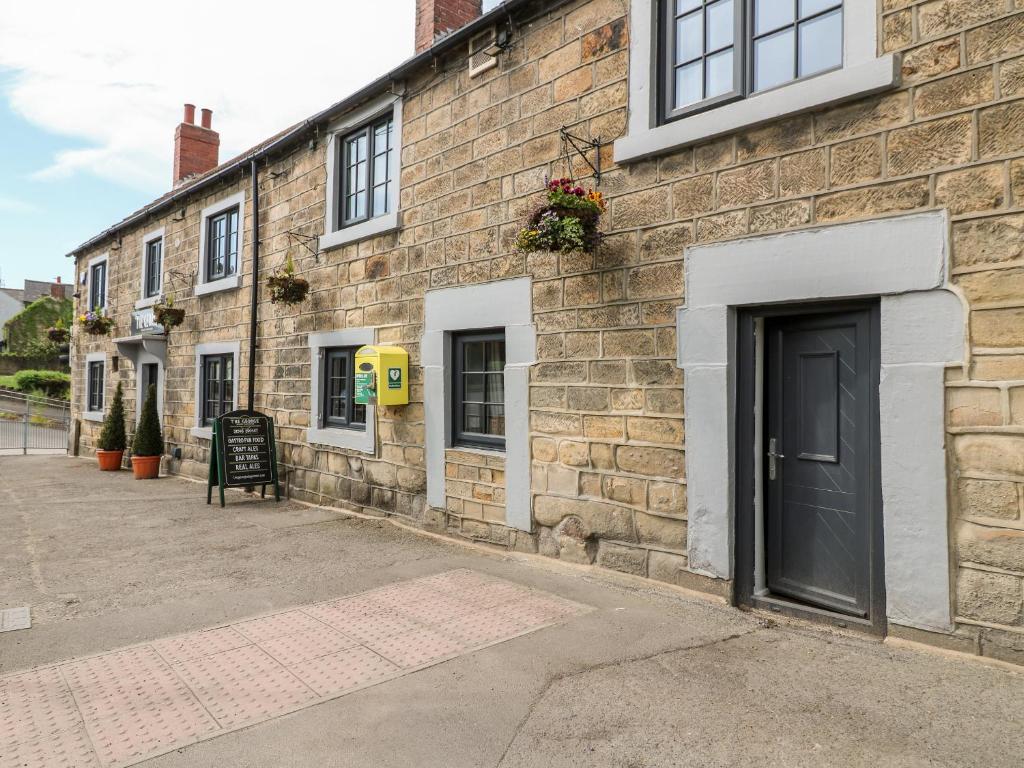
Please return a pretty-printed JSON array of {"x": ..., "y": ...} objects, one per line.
[{"x": 364, "y": 389}]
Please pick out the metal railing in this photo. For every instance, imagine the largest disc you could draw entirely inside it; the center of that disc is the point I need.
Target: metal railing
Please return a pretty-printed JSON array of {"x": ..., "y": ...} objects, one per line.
[{"x": 33, "y": 423}]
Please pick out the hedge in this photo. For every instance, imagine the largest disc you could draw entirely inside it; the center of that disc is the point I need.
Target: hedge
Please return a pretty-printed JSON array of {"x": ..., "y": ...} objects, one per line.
[{"x": 53, "y": 383}]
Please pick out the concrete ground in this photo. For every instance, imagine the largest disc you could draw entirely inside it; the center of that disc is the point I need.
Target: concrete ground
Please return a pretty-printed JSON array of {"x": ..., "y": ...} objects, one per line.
[{"x": 652, "y": 677}]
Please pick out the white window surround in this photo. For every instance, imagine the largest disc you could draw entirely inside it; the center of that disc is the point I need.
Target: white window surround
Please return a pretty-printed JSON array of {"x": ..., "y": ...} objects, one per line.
[
  {"x": 87, "y": 415},
  {"x": 334, "y": 237},
  {"x": 922, "y": 332},
  {"x": 504, "y": 304},
  {"x": 863, "y": 73},
  {"x": 362, "y": 440},
  {"x": 103, "y": 257},
  {"x": 144, "y": 301},
  {"x": 213, "y": 348},
  {"x": 231, "y": 281}
]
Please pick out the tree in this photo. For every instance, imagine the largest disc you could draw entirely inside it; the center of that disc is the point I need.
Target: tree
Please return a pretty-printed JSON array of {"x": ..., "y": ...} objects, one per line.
[
  {"x": 113, "y": 437},
  {"x": 148, "y": 440}
]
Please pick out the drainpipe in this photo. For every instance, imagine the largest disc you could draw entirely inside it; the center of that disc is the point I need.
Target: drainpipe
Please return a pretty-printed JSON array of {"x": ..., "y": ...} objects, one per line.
[{"x": 255, "y": 280}]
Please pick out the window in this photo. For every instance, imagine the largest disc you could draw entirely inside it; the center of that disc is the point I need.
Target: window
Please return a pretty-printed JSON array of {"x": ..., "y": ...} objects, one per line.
[
  {"x": 221, "y": 245},
  {"x": 98, "y": 285},
  {"x": 94, "y": 387},
  {"x": 218, "y": 385},
  {"x": 720, "y": 50},
  {"x": 479, "y": 389},
  {"x": 339, "y": 408},
  {"x": 152, "y": 268},
  {"x": 367, "y": 171}
]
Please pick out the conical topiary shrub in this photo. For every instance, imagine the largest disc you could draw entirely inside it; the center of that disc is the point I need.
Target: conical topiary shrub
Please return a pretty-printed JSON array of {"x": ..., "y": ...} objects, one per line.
[
  {"x": 148, "y": 443},
  {"x": 113, "y": 440}
]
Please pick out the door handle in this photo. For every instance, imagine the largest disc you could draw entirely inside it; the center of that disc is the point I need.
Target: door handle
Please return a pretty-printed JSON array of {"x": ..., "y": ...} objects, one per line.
[{"x": 772, "y": 456}]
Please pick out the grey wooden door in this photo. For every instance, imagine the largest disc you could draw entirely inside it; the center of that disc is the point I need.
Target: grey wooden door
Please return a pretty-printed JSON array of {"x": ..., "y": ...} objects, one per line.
[{"x": 818, "y": 459}]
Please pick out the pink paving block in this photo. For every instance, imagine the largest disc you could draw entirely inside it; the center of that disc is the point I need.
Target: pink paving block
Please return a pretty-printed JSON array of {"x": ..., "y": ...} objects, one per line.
[
  {"x": 34, "y": 704},
  {"x": 537, "y": 610},
  {"x": 279, "y": 624},
  {"x": 347, "y": 609},
  {"x": 376, "y": 627},
  {"x": 344, "y": 671},
  {"x": 244, "y": 685},
  {"x": 455, "y": 581},
  {"x": 483, "y": 627},
  {"x": 437, "y": 610},
  {"x": 64, "y": 749},
  {"x": 491, "y": 595},
  {"x": 413, "y": 649},
  {"x": 303, "y": 646},
  {"x": 196, "y": 644}
]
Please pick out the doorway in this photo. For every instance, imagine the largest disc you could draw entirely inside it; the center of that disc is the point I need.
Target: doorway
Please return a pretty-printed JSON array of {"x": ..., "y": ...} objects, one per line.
[{"x": 809, "y": 522}]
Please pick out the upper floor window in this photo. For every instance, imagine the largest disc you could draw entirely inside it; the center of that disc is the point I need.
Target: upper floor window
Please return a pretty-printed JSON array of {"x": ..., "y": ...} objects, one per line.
[
  {"x": 368, "y": 171},
  {"x": 719, "y": 50},
  {"x": 338, "y": 407},
  {"x": 479, "y": 389},
  {"x": 98, "y": 285},
  {"x": 221, "y": 258},
  {"x": 152, "y": 268}
]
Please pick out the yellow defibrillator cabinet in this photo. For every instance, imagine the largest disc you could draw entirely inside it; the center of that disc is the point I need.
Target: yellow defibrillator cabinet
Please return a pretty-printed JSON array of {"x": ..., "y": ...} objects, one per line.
[{"x": 381, "y": 376}]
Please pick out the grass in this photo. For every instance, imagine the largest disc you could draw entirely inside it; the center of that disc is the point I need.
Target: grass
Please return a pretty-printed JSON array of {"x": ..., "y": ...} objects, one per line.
[{"x": 7, "y": 382}]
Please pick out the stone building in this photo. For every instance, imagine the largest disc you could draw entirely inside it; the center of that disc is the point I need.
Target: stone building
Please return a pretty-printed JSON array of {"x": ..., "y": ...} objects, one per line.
[{"x": 792, "y": 375}]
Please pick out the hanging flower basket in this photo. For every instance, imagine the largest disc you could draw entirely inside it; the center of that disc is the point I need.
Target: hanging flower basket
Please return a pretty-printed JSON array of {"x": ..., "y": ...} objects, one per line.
[
  {"x": 285, "y": 287},
  {"x": 96, "y": 322},
  {"x": 58, "y": 334},
  {"x": 567, "y": 221},
  {"x": 168, "y": 315}
]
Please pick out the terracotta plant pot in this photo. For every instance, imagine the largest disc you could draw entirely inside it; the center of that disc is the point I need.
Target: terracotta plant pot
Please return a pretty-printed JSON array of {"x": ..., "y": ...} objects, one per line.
[
  {"x": 110, "y": 461},
  {"x": 146, "y": 467}
]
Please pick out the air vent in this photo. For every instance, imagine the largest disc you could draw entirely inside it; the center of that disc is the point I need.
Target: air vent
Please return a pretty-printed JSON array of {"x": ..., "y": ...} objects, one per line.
[{"x": 480, "y": 62}]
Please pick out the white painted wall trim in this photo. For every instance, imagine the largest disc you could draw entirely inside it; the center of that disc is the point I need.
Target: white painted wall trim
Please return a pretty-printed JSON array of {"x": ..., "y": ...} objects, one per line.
[
  {"x": 148, "y": 301},
  {"x": 362, "y": 440},
  {"x": 202, "y": 287},
  {"x": 904, "y": 260},
  {"x": 213, "y": 348},
  {"x": 87, "y": 415},
  {"x": 504, "y": 304},
  {"x": 335, "y": 235},
  {"x": 862, "y": 73}
]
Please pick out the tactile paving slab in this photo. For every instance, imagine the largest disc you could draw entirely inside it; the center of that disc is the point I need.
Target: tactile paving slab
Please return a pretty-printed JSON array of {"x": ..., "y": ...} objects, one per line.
[{"x": 119, "y": 708}]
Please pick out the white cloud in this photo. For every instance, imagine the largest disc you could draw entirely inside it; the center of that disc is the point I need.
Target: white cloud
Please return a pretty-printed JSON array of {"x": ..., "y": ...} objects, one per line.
[
  {"x": 113, "y": 75},
  {"x": 13, "y": 205}
]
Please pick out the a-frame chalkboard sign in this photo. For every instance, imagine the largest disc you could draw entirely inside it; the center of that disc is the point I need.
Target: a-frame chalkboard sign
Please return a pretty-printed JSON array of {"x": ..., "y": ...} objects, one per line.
[{"x": 243, "y": 454}]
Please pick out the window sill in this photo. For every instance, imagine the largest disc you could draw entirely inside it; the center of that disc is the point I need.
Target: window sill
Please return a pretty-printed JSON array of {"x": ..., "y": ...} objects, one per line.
[
  {"x": 494, "y": 453},
  {"x": 147, "y": 303},
  {"x": 801, "y": 96},
  {"x": 355, "y": 440},
  {"x": 378, "y": 226},
  {"x": 204, "y": 433},
  {"x": 224, "y": 284},
  {"x": 92, "y": 416}
]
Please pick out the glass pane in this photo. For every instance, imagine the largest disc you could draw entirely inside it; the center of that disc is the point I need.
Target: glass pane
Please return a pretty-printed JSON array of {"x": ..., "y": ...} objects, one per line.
[
  {"x": 360, "y": 176},
  {"x": 811, "y": 7},
  {"x": 361, "y": 204},
  {"x": 496, "y": 388},
  {"x": 720, "y": 25},
  {"x": 380, "y": 168},
  {"x": 473, "y": 417},
  {"x": 689, "y": 37},
  {"x": 496, "y": 420},
  {"x": 473, "y": 356},
  {"x": 682, "y": 6},
  {"x": 473, "y": 388},
  {"x": 358, "y": 414},
  {"x": 496, "y": 356},
  {"x": 688, "y": 84},
  {"x": 821, "y": 43},
  {"x": 380, "y": 199},
  {"x": 772, "y": 14},
  {"x": 719, "y": 74},
  {"x": 773, "y": 60}
]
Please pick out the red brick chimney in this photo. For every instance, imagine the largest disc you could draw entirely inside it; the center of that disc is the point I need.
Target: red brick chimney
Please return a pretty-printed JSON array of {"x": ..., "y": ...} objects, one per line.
[
  {"x": 196, "y": 147},
  {"x": 436, "y": 18}
]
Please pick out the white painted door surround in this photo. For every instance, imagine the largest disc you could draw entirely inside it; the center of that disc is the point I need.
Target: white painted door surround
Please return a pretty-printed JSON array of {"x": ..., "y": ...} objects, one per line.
[{"x": 904, "y": 261}]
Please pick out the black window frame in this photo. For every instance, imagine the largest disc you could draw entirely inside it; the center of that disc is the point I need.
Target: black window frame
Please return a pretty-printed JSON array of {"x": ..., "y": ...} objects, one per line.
[
  {"x": 94, "y": 381},
  {"x": 149, "y": 289},
  {"x": 368, "y": 132},
  {"x": 225, "y": 404},
  {"x": 98, "y": 285},
  {"x": 352, "y": 411},
  {"x": 743, "y": 55},
  {"x": 232, "y": 213},
  {"x": 461, "y": 438}
]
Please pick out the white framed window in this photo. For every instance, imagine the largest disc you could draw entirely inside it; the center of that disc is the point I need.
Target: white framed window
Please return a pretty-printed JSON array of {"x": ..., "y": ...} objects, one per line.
[
  {"x": 94, "y": 400},
  {"x": 335, "y": 418},
  {"x": 703, "y": 68},
  {"x": 152, "y": 269},
  {"x": 364, "y": 149},
  {"x": 216, "y": 390},
  {"x": 221, "y": 240},
  {"x": 97, "y": 282}
]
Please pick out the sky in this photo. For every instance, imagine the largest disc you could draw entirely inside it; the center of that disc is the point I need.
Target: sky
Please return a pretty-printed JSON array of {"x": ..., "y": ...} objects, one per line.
[{"x": 90, "y": 94}]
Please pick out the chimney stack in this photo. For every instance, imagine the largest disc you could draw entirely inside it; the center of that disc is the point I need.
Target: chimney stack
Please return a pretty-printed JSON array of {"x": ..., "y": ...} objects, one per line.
[
  {"x": 196, "y": 147},
  {"x": 437, "y": 18}
]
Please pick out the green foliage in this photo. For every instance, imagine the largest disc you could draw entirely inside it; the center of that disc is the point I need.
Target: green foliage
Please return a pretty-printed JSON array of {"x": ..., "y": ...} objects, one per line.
[
  {"x": 148, "y": 440},
  {"x": 24, "y": 332},
  {"x": 53, "y": 383},
  {"x": 567, "y": 222},
  {"x": 113, "y": 437},
  {"x": 7, "y": 382}
]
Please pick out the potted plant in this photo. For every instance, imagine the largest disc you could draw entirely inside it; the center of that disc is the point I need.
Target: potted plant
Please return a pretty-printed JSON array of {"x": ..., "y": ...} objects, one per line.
[
  {"x": 168, "y": 315},
  {"x": 285, "y": 287},
  {"x": 96, "y": 322},
  {"x": 112, "y": 441},
  {"x": 567, "y": 221},
  {"x": 59, "y": 333},
  {"x": 148, "y": 443}
]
